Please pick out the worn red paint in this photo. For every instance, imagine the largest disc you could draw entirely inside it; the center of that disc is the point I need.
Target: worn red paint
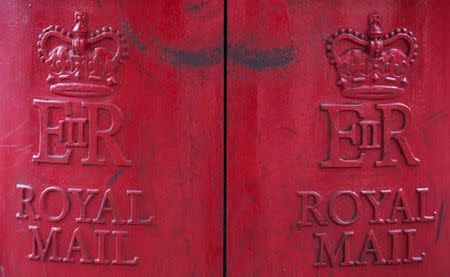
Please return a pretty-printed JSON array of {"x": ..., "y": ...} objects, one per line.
[
  {"x": 111, "y": 133},
  {"x": 337, "y": 147},
  {"x": 111, "y": 138}
]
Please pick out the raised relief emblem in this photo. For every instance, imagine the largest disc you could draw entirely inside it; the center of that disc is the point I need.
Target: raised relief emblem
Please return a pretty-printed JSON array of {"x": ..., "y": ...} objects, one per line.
[
  {"x": 82, "y": 65},
  {"x": 371, "y": 70},
  {"x": 371, "y": 130},
  {"x": 79, "y": 117},
  {"x": 371, "y": 67}
]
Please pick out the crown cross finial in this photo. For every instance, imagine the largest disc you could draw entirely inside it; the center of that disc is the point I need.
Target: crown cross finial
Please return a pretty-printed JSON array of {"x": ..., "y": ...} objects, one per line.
[
  {"x": 374, "y": 31},
  {"x": 80, "y": 24},
  {"x": 372, "y": 67},
  {"x": 80, "y": 30},
  {"x": 75, "y": 71}
]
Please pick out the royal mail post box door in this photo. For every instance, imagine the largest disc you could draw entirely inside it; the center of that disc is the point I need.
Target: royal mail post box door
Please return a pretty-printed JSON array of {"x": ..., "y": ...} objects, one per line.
[
  {"x": 338, "y": 132},
  {"x": 111, "y": 138}
]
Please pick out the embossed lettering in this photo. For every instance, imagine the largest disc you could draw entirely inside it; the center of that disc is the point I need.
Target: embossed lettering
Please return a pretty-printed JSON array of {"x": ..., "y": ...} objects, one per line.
[
  {"x": 332, "y": 207},
  {"x": 25, "y": 200},
  {"x": 45, "y": 108},
  {"x": 394, "y": 246},
  {"x": 371, "y": 247},
  {"x": 101, "y": 234},
  {"x": 422, "y": 217},
  {"x": 336, "y": 135},
  {"x": 95, "y": 134},
  {"x": 39, "y": 249},
  {"x": 64, "y": 203},
  {"x": 401, "y": 242},
  {"x": 400, "y": 205},
  {"x": 69, "y": 132},
  {"x": 410, "y": 248},
  {"x": 133, "y": 216},
  {"x": 83, "y": 203},
  {"x": 364, "y": 133},
  {"x": 108, "y": 205},
  {"x": 390, "y": 134},
  {"x": 369, "y": 134},
  {"x": 312, "y": 208},
  {"x": 77, "y": 243},
  {"x": 119, "y": 259},
  {"x": 78, "y": 125},
  {"x": 340, "y": 256},
  {"x": 48, "y": 250},
  {"x": 376, "y": 205},
  {"x": 54, "y": 205}
]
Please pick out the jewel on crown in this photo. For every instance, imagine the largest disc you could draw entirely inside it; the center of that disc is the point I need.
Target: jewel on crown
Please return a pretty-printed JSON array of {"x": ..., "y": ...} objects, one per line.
[
  {"x": 372, "y": 66},
  {"x": 81, "y": 64}
]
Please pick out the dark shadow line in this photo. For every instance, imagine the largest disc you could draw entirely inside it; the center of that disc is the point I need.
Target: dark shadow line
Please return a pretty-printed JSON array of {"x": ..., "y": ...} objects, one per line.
[{"x": 225, "y": 128}]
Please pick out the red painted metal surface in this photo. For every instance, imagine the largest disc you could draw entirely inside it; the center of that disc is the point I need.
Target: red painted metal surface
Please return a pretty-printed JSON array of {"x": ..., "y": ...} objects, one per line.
[
  {"x": 111, "y": 138},
  {"x": 338, "y": 138}
]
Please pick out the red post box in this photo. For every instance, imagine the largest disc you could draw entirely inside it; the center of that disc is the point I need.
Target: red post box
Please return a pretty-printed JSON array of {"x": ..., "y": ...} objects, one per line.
[
  {"x": 111, "y": 138},
  {"x": 112, "y": 152},
  {"x": 338, "y": 138}
]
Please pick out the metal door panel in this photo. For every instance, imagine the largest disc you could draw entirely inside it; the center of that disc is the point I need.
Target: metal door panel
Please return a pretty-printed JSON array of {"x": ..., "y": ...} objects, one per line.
[
  {"x": 338, "y": 138},
  {"x": 111, "y": 137}
]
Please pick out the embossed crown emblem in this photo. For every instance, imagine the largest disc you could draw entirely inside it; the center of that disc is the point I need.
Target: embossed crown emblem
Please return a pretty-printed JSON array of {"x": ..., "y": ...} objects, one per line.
[
  {"x": 372, "y": 66},
  {"x": 81, "y": 64}
]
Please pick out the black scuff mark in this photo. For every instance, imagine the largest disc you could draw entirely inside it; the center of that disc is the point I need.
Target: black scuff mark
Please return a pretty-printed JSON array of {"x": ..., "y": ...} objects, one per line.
[
  {"x": 140, "y": 45},
  {"x": 114, "y": 177},
  {"x": 198, "y": 6},
  {"x": 261, "y": 59},
  {"x": 193, "y": 58},
  {"x": 289, "y": 130},
  {"x": 439, "y": 224},
  {"x": 442, "y": 114}
]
